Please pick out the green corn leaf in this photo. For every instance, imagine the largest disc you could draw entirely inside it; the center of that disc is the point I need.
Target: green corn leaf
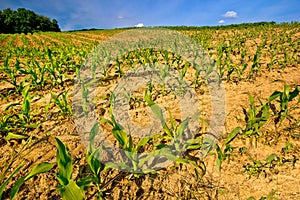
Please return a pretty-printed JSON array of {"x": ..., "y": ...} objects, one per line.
[
  {"x": 251, "y": 99},
  {"x": 107, "y": 121},
  {"x": 195, "y": 143},
  {"x": 172, "y": 121},
  {"x": 286, "y": 90},
  {"x": 40, "y": 168},
  {"x": 55, "y": 97},
  {"x": 148, "y": 99},
  {"x": 293, "y": 94},
  {"x": 270, "y": 158},
  {"x": 167, "y": 130},
  {"x": 143, "y": 141},
  {"x": 25, "y": 91},
  {"x": 183, "y": 126},
  {"x": 206, "y": 147},
  {"x": 64, "y": 163},
  {"x": 157, "y": 111},
  {"x": 31, "y": 125},
  {"x": 85, "y": 182},
  {"x": 149, "y": 156},
  {"x": 26, "y": 106},
  {"x": 233, "y": 134},
  {"x": 221, "y": 157},
  {"x": 184, "y": 70},
  {"x": 71, "y": 191},
  {"x": 130, "y": 147},
  {"x": 2, "y": 187},
  {"x": 132, "y": 156},
  {"x": 13, "y": 136},
  {"x": 168, "y": 154},
  {"x": 120, "y": 166},
  {"x": 274, "y": 95},
  {"x": 93, "y": 133},
  {"x": 6, "y": 62},
  {"x": 94, "y": 164},
  {"x": 121, "y": 137}
]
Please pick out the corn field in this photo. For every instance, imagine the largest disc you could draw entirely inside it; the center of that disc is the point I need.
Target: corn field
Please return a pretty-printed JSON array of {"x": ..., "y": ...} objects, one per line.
[{"x": 256, "y": 157}]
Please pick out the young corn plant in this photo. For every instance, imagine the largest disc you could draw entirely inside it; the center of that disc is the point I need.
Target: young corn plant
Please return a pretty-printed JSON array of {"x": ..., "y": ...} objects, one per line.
[
  {"x": 164, "y": 72},
  {"x": 57, "y": 70},
  {"x": 25, "y": 115},
  {"x": 257, "y": 167},
  {"x": 21, "y": 120},
  {"x": 219, "y": 62},
  {"x": 176, "y": 135},
  {"x": 8, "y": 167},
  {"x": 283, "y": 98},
  {"x": 119, "y": 70},
  {"x": 256, "y": 65},
  {"x": 125, "y": 141},
  {"x": 40, "y": 168},
  {"x": 68, "y": 188},
  {"x": 255, "y": 118},
  {"x": 228, "y": 149},
  {"x": 62, "y": 103},
  {"x": 37, "y": 74},
  {"x": 94, "y": 164},
  {"x": 12, "y": 73}
]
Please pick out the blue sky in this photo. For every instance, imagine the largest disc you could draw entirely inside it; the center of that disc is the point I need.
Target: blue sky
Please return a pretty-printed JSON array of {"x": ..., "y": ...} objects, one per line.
[{"x": 78, "y": 14}]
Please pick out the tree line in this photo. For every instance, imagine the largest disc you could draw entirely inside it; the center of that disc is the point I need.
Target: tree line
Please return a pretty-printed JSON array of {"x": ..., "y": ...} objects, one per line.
[
  {"x": 230, "y": 26},
  {"x": 25, "y": 21}
]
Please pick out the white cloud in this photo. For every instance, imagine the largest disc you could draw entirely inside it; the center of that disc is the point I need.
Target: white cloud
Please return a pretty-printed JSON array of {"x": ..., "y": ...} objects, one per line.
[
  {"x": 120, "y": 17},
  {"x": 230, "y": 14},
  {"x": 139, "y": 25},
  {"x": 221, "y": 21}
]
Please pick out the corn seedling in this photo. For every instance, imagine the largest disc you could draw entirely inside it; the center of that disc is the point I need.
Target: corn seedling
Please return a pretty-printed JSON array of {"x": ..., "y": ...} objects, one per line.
[
  {"x": 257, "y": 167},
  {"x": 176, "y": 135},
  {"x": 125, "y": 142},
  {"x": 62, "y": 103},
  {"x": 228, "y": 149},
  {"x": 255, "y": 67},
  {"x": 94, "y": 164},
  {"x": 22, "y": 119},
  {"x": 37, "y": 74},
  {"x": 12, "y": 73},
  {"x": 67, "y": 187},
  {"x": 255, "y": 118},
  {"x": 40, "y": 168},
  {"x": 283, "y": 98}
]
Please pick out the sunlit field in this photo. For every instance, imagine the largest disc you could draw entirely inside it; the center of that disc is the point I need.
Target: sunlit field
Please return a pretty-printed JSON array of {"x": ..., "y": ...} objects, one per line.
[{"x": 256, "y": 157}]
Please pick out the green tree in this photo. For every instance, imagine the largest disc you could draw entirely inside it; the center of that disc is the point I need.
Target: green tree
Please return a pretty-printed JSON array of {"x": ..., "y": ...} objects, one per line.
[{"x": 25, "y": 21}]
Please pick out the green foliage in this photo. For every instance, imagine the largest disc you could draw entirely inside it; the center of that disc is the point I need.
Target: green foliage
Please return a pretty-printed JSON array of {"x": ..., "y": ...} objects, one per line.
[
  {"x": 53, "y": 66},
  {"x": 255, "y": 117},
  {"x": 12, "y": 74},
  {"x": 4, "y": 184},
  {"x": 25, "y": 21},
  {"x": 40, "y": 168},
  {"x": 228, "y": 149},
  {"x": 93, "y": 161},
  {"x": 131, "y": 150},
  {"x": 62, "y": 102},
  {"x": 283, "y": 98},
  {"x": 67, "y": 188},
  {"x": 269, "y": 163}
]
